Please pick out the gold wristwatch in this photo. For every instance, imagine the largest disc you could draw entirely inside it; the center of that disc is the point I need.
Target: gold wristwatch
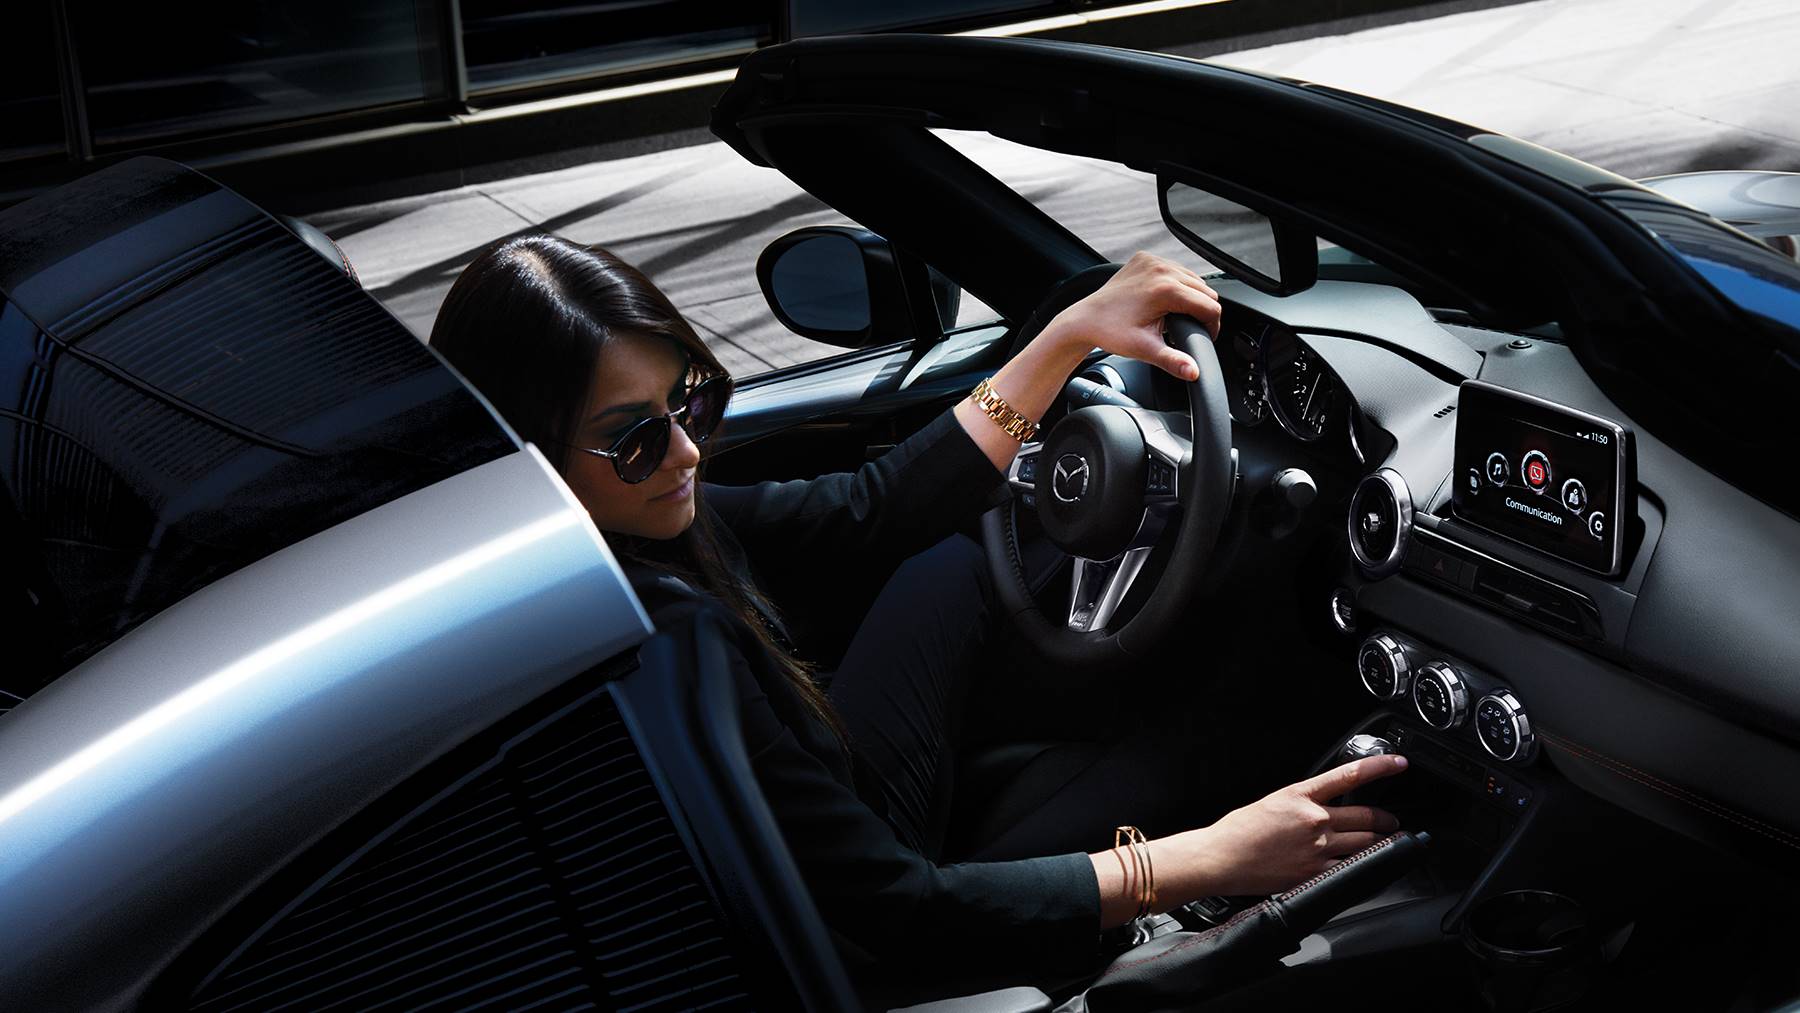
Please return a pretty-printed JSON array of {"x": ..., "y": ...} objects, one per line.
[{"x": 990, "y": 402}]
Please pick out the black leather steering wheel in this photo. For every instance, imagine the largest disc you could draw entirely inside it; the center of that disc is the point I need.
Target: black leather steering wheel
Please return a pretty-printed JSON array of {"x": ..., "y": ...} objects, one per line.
[{"x": 1106, "y": 482}]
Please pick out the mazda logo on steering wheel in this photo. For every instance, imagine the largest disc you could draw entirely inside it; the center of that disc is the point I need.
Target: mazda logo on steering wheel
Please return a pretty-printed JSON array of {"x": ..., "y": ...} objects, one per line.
[{"x": 1069, "y": 481}]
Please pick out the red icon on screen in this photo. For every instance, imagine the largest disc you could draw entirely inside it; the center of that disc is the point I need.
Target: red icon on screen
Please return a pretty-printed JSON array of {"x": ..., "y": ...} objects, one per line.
[{"x": 1535, "y": 470}]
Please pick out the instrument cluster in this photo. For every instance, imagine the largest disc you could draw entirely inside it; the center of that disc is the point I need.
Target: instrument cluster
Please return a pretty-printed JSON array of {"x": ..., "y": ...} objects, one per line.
[{"x": 1270, "y": 373}]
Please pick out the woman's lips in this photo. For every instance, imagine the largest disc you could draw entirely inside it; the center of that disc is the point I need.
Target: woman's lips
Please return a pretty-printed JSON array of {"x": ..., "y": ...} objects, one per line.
[{"x": 677, "y": 494}]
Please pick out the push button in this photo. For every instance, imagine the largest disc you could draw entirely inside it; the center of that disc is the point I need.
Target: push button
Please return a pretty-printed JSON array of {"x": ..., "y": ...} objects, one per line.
[
  {"x": 1574, "y": 496},
  {"x": 1473, "y": 480},
  {"x": 1535, "y": 471},
  {"x": 1497, "y": 468},
  {"x": 1161, "y": 481},
  {"x": 1597, "y": 524}
]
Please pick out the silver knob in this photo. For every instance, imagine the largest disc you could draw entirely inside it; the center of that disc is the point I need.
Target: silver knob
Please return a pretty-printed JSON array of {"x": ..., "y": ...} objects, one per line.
[
  {"x": 1359, "y": 746},
  {"x": 1440, "y": 696},
  {"x": 1502, "y": 727},
  {"x": 1294, "y": 487},
  {"x": 1384, "y": 667}
]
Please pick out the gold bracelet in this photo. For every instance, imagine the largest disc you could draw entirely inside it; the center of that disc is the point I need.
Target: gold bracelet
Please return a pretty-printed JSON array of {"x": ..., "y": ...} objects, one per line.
[
  {"x": 1133, "y": 839},
  {"x": 1004, "y": 415}
]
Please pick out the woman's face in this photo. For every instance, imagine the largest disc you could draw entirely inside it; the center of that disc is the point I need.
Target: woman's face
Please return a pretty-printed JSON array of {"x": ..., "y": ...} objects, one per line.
[{"x": 636, "y": 377}]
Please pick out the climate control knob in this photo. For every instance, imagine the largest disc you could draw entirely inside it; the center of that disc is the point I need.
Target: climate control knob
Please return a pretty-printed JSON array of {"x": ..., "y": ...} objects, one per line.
[
  {"x": 1502, "y": 726},
  {"x": 1440, "y": 697},
  {"x": 1384, "y": 667}
]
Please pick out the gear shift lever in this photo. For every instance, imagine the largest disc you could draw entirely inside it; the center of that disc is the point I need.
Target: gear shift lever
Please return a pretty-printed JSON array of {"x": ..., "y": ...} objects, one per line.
[
  {"x": 1355, "y": 748},
  {"x": 1358, "y": 746}
]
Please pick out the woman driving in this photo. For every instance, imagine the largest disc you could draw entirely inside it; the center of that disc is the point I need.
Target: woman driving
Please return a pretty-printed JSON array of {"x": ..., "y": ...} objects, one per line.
[{"x": 585, "y": 358}]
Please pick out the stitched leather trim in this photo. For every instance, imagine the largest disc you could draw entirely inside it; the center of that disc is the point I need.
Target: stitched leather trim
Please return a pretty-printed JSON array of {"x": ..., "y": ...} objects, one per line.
[
  {"x": 1202, "y": 937},
  {"x": 1340, "y": 867},
  {"x": 1627, "y": 771}
]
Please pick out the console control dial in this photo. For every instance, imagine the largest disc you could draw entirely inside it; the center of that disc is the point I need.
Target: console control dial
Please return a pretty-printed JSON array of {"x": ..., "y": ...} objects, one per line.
[
  {"x": 1385, "y": 669},
  {"x": 1440, "y": 696},
  {"x": 1502, "y": 726}
]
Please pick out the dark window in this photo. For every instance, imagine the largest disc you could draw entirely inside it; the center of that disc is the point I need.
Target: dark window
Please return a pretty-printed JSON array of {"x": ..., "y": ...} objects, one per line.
[
  {"x": 30, "y": 98},
  {"x": 507, "y": 43},
  {"x": 152, "y": 70}
]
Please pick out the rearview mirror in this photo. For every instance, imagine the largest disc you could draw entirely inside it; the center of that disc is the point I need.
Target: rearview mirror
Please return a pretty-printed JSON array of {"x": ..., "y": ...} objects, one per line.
[
  {"x": 846, "y": 286},
  {"x": 1264, "y": 252}
]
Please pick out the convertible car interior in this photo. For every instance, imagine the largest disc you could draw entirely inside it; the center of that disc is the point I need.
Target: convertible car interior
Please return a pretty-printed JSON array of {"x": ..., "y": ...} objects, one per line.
[{"x": 330, "y": 696}]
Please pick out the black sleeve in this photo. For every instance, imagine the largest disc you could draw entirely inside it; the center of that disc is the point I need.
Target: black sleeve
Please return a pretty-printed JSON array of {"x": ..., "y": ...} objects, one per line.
[
  {"x": 892, "y": 507},
  {"x": 1029, "y": 916}
]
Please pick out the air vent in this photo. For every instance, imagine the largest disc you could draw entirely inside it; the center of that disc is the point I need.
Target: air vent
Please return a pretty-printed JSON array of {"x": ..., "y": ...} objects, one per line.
[
  {"x": 1441, "y": 412},
  {"x": 1380, "y": 522},
  {"x": 553, "y": 878}
]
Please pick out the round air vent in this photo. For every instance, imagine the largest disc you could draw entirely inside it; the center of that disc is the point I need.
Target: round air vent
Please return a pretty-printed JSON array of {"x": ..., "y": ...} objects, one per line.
[{"x": 1380, "y": 522}]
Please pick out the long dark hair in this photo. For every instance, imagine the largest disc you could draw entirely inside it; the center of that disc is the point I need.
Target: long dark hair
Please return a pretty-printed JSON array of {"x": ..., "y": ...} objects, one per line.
[{"x": 525, "y": 323}]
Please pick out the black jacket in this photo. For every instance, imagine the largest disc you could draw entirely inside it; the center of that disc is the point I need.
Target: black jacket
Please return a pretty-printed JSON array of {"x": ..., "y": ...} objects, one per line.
[{"x": 884, "y": 901}]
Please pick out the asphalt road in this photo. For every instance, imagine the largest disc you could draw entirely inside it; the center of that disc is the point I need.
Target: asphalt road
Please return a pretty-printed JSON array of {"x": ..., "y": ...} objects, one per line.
[{"x": 1641, "y": 87}]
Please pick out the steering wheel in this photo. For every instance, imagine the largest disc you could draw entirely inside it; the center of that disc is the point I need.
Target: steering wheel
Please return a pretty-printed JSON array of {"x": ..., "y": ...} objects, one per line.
[{"x": 1106, "y": 482}]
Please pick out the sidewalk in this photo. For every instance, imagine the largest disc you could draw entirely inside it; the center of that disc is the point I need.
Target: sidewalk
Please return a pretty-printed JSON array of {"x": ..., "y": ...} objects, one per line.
[{"x": 1641, "y": 87}]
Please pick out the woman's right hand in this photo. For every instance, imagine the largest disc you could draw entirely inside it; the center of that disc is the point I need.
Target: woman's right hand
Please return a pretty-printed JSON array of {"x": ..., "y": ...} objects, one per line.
[
  {"x": 1288, "y": 836},
  {"x": 1273, "y": 844}
]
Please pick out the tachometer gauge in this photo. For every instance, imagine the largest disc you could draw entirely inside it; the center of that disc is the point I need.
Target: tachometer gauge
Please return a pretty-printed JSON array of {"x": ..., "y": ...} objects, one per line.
[{"x": 1301, "y": 390}]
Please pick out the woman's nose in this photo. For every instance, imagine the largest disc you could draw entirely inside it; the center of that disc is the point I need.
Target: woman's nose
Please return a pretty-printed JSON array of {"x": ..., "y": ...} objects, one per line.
[{"x": 683, "y": 453}]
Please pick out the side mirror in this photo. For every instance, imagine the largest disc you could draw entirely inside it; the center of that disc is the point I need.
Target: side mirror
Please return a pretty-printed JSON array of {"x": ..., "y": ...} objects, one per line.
[
  {"x": 841, "y": 285},
  {"x": 1264, "y": 252}
]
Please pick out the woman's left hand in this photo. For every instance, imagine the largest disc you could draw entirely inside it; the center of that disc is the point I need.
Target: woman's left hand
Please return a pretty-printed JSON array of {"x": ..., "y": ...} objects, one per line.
[{"x": 1125, "y": 315}]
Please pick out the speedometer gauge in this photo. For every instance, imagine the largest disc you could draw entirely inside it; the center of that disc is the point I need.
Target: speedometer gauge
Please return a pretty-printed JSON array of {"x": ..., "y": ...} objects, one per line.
[{"x": 1301, "y": 389}]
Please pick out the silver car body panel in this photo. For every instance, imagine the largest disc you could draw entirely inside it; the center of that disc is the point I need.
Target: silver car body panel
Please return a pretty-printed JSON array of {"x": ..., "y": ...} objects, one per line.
[{"x": 146, "y": 791}]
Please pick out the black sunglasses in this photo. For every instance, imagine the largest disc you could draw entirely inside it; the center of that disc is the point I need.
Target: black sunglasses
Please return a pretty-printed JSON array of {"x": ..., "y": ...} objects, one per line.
[{"x": 640, "y": 450}]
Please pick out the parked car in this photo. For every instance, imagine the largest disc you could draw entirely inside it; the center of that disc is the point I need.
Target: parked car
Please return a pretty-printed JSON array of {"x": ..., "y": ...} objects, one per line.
[{"x": 328, "y": 695}]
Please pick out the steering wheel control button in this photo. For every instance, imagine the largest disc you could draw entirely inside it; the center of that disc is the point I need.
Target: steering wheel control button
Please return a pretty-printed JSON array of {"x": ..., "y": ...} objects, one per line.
[
  {"x": 1162, "y": 478},
  {"x": 1027, "y": 467},
  {"x": 1502, "y": 727},
  {"x": 1497, "y": 468},
  {"x": 1534, "y": 470},
  {"x": 1384, "y": 667},
  {"x": 1380, "y": 522},
  {"x": 1597, "y": 524},
  {"x": 1574, "y": 496},
  {"x": 1440, "y": 696},
  {"x": 1343, "y": 611}
]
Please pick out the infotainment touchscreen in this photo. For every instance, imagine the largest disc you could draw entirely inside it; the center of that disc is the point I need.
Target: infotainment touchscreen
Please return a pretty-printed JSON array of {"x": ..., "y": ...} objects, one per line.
[{"x": 1554, "y": 478}]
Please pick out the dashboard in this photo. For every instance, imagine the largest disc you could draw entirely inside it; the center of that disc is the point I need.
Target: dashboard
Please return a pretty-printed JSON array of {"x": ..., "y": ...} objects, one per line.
[{"x": 1630, "y": 632}]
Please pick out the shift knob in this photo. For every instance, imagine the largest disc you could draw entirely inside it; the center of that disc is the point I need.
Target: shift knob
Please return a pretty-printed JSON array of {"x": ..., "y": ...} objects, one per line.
[{"x": 1359, "y": 746}]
